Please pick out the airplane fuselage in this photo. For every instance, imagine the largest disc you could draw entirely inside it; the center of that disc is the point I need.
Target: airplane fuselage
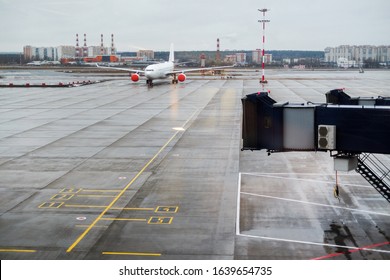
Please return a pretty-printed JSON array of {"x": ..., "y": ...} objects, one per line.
[{"x": 158, "y": 71}]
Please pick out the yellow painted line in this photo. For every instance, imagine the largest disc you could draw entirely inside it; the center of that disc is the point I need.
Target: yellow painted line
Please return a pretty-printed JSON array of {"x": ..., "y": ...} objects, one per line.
[
  {"x": 84, "y": 206},
  {"x": 81, "y": 237},
  {"x": 160, "y": 220},
  {"x": 101, "y": 190},
  {"x": 167, "y": 209},
  {"x": 123, "y": 219},
  {"x": 133, "y": 254},
  {"x": 104, "y": 206},
  {"x": 133, "y": 209},
  {"x": 17, "y": 251},
  {"x": 71, "y": 190},
  {"x": 95, "y": 195},
  {"x": 88, "y": 226},
  {"x": 51, "y": 205},
  {"x": 60, "y": 196}
]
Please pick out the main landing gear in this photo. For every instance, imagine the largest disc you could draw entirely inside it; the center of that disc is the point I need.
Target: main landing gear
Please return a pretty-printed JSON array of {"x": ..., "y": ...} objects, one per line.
[{"x": 175, "y": 80}]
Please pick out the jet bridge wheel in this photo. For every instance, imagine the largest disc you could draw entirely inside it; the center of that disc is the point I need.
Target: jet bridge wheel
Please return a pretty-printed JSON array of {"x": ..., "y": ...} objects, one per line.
[{"x": 175, "y": 81}]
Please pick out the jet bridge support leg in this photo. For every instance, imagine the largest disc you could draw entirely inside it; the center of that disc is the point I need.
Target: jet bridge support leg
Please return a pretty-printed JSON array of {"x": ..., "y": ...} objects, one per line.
[{"x": 336, "y": 191}]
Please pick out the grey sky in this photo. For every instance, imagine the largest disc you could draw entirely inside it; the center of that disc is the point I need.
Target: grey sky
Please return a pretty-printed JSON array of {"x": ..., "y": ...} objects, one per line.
[{"x": 194, "y": 24}]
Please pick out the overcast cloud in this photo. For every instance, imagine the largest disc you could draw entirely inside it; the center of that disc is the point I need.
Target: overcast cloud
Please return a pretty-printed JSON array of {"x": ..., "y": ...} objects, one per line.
[{"x": 194, "y": 24}]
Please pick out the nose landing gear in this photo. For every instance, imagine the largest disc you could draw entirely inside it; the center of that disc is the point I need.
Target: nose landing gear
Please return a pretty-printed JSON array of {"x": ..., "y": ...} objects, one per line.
[{"x": 149, "y": 83}]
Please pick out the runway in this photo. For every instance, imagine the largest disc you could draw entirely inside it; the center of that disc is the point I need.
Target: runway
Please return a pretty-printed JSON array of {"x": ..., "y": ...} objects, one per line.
[{"x": 117, "y": 170}]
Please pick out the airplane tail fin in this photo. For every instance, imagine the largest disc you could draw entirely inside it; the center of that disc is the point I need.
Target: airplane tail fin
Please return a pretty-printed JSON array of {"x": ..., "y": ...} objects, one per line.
[{"x": 171, "y": 54}]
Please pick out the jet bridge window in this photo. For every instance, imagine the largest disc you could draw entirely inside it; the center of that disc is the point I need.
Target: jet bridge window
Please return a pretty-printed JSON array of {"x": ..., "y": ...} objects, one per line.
[{"x": 267, "y": 122}]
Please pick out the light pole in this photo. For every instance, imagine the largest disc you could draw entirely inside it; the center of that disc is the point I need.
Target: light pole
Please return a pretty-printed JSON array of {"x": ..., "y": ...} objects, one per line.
[{"x": 263, "y": 80}]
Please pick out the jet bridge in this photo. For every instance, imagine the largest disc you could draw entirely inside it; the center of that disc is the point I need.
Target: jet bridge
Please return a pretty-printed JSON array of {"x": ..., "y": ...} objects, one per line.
[
  {"x": 278, "y": 127},
  {"x": 351, "y": 132},
  {"x": 368, "y": 165},
  {"x": 338, "y": 96}
]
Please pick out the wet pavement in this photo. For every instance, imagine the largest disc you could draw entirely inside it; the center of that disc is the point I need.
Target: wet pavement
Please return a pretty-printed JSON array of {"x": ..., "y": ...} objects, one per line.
[{"x": 117, "y": 170}]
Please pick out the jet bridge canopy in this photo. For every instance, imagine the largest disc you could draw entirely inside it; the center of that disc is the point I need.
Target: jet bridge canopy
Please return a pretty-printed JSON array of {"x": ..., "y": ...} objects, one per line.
[{"x": 338, "y": 96}]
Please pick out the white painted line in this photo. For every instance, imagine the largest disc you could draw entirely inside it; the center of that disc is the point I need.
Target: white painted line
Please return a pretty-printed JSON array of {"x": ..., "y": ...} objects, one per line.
[
  {"x": 238, "y": 204},
  {"x": 317, "y": 204},
  {"x": 301, "y": 179},
  {"x": 294, "y": 173},
  {"x": 297, "y": 201},
  {"x": 313, "y": 243}
]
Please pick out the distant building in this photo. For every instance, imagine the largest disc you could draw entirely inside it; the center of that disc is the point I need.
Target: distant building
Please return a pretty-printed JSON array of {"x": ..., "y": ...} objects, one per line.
[
  {"x": 343, "y": 62},
  {"x": 359, "y": 54},
  {"x": 231, "y": 58},
  {"x": 131, "y": 59},
  {"x": 94, "y": 51},
  {"x": 11, "y": 58},
  {"x": 48, "y": 53},
  {"x": 66, "y": 51},
  {"x": 148, "y": 54},
  {"x": 40, "y": 53},
  {"x": 258, "y": 58},
  {"x": 202, "y": 60},
  {"x": 239, "y": 58},
  {"x": 299, "y": 67},
  {"x": 28, "y": 53},
  {"x": 57, "y": 53}
]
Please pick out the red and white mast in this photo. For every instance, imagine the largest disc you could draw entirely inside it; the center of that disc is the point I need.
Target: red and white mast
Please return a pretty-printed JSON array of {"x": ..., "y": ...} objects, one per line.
[
  {"x": 77, "y": 46},
  {"x": 85, "y": 48},
  {"x": 112, "y": 45},
  {"x": 101, "y": 45},
  {"x": 218, "y": 55},
  {"x": 263, "y": 80}
]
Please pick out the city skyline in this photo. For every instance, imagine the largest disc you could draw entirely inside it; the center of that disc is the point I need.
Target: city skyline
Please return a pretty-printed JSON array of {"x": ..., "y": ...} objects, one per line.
[{"x": 195, "y": 25}]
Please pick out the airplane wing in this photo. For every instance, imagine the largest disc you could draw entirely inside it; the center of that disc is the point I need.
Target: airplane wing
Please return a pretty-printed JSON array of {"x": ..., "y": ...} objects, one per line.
[
  {"x": 197, "y": 69},
  {"x": 121, "y": 69}
]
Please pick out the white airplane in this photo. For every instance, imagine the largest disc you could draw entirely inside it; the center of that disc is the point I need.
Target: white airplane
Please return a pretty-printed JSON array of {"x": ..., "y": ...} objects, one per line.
[{"x": 162, "y": 71}]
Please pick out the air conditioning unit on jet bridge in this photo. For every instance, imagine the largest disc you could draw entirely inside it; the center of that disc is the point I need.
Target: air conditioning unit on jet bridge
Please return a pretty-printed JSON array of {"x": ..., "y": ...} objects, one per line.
[{"x": 327, "y": 137}]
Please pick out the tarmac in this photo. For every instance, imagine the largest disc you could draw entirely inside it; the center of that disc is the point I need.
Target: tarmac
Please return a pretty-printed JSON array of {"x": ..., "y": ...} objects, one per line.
[{"x": 117, "y": 170}]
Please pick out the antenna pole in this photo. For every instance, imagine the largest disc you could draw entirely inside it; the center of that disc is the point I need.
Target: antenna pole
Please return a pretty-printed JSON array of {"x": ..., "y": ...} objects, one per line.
[{"x": 263, "y": 80}]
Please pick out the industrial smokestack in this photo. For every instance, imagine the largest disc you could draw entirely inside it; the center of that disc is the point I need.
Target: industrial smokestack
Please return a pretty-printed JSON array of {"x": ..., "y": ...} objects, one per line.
[
  {"x": 112, "y": 45},
  {"x": 101, "y": 45},
  {"x": 77, "y": 46},
  {"x": 218, "y": 55},
  {"x": 85, "y": 48}
]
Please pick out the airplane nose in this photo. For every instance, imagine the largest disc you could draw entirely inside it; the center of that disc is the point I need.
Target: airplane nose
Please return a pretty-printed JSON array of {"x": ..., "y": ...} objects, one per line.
[{"x": 150, "y": 75}]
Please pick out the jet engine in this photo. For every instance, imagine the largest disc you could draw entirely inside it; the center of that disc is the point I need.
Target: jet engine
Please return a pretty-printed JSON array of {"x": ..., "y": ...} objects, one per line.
[
  {"x": 181, "y": 77},
  {"x": 135, "y": 77}
]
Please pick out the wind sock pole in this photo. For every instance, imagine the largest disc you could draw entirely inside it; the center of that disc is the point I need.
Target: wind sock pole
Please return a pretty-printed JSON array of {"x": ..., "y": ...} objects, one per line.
[{"x": 263, "y": 80}]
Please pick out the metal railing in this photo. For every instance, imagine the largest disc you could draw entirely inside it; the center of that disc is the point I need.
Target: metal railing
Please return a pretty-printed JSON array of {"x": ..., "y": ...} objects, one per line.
[{"x": 375, "y": 172}]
